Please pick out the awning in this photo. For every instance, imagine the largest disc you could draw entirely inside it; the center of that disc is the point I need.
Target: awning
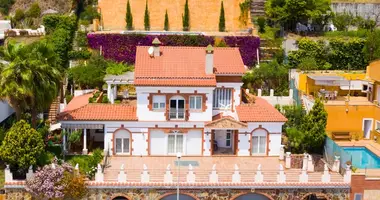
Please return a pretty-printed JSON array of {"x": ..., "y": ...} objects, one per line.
[
  {"x": 328, "y": 80},
  {"x": 83, "y": 126},
  {"x": 355, "y": 85},
  {"x": 55, "y": 127}
]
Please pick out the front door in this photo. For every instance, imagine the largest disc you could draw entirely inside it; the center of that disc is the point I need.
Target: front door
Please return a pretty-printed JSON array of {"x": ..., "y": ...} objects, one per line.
[
  {"x": 177, "y": 109},
  {"x": 367, "y": 127}
]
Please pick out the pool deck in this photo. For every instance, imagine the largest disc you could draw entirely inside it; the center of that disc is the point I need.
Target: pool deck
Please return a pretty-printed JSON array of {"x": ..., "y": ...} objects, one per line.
[{"x": 369, "y": 144}]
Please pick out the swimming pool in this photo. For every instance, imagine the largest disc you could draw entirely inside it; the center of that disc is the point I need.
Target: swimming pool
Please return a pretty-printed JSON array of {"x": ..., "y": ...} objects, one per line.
[{"x": 363, "y": 158}]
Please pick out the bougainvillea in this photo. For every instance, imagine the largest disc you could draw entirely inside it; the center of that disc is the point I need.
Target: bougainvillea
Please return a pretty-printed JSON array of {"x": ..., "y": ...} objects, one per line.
[
  {"x": 45, "y": 183},
  {"x": 122, "y": 47}
]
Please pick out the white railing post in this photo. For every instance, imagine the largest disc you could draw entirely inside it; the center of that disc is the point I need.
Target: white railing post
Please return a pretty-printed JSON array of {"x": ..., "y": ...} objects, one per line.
[
  {"x": 236, "y": 178},
  {"x": 326, "y": 177},
  {"x": 259, "y": 92},
  {"x": 281, "y": 177},
  {"x": 8, "y": 174},
  {"x": 145, "y": 178},
  {"x": 336, "y": 164},
  {"x": 304, "y": 161},
  {"x": 310, "y": 165},
  {"x": 304, "y": 177},
  {"x": 347, "y": 174},
  {"x": 288, "y": 160},
  {"x": 99, "y": 176},
  {"x": 168, "y": 177},
  {"x": 271, "y": 92},
  {"x": 213, "y": 177},
  {"x": 76, "y": 169},
  {"x": 259, "y": 178},
  {"x": 30, "y": 173},
  {"x": 282, "y": 152},
  {"x": 190, "y": 177},
  {"x": 122, "y": 176}
]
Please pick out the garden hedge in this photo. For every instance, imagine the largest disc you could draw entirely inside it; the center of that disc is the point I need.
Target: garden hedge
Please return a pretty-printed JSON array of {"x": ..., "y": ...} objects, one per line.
[{"x": 122, "y": 47}]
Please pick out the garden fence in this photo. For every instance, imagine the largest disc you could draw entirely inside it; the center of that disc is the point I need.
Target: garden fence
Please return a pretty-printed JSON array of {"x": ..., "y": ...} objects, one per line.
[{"x": 331, "y": 150}]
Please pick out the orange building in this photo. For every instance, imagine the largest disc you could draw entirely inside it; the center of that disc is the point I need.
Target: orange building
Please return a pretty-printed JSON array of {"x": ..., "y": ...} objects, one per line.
[{"x": 354, "y": 116}]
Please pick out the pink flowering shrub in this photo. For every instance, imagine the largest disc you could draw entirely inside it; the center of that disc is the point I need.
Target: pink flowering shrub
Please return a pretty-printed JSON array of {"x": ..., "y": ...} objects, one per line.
[{"x": 46, "y": 183}]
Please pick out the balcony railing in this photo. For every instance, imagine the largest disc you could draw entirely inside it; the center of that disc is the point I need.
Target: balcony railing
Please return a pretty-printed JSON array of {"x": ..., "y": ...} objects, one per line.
[{"x": 176, "y": 113}]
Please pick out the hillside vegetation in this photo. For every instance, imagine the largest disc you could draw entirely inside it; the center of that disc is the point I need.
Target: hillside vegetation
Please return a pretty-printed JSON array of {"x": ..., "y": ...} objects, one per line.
[{"x": 62, "y": 6}]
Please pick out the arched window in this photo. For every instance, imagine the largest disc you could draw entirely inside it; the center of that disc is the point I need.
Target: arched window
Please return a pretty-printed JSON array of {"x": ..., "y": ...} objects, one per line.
[
  {"x": 122, "y": 142},
  {"x": 259, "y": 142},
  {"x": 120, "y": 198},
  {"x": 177, "y": 107},
  {"x": 174, "y": 197},
  {"x": 252, "y": 196}
]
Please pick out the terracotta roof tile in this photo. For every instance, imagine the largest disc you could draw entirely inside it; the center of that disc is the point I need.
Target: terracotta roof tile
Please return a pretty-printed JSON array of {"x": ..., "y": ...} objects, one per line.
[
  {"x": 260, "y": 111},
  {"x": 101, "y": 112},
  {"x": 184, "y": 66},
  {"x": 77, "y": 102}
]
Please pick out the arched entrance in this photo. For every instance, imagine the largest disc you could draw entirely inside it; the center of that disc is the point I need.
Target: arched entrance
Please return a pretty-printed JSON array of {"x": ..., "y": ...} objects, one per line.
[
  {"x": 119, "y": 198},
  {"x": 252, "y": 196},
  {"x": 174, "y": 197}
]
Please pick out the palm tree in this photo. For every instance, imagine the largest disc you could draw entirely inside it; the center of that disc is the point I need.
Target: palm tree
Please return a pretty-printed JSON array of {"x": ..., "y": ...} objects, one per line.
[
  {"x": 46, "y": 77},
  {"x": 14, "y": 77},
  {"x": 31, "y": 79}
]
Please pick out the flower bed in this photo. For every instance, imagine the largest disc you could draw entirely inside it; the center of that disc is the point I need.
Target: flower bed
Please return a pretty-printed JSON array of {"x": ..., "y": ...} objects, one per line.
[{"x": 122, "y": 47}]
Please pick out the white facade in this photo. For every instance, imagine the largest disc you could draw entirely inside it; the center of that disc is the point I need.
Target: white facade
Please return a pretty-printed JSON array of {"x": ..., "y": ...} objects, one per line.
[{"x": 5, "y": 110}]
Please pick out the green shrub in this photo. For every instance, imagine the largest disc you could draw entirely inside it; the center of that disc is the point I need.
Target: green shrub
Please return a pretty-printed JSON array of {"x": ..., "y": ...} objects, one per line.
[
  {"x": 74, "y": 137},
  {"x": 45, "y": 158},
  {"x": 68, "y": 97},
  {"x": 90, "y": 13},
  {"x": 118, "y": 68},
  {"x": 261, "y": 22},
  {"x": 146, "y": 17},
  {"x": 166, "y": 22},
  {"x": 5, "y": 5},
  {"x": 34, "y": 11},
  {"x": 79, "y": 55},
  {"x": 91, "y": 100},
  {"x": 19, "y": 15},
  {"x": 105, "y": 99},
  {"x": 81, "y": 39},
  {"x": 88, "y": 164},
  {"x": 96, "y": 95}
]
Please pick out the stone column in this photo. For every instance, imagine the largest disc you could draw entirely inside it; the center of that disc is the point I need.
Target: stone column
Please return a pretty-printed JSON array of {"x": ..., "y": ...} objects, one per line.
[
  {"x": 282, "y": 152},
  {"x": 336, "y": 164},
  {"x": 122, "y": 177},
  {"x": 190, "y": 177},
  {"x": 213, "y": 177},
  {"x": 64, "y": 140},
  {"x": 259, "y": 178},
  {"x": 109, "y": 91},
  {"x": 288, "y": 160},
  {"x": 85, "y": 150},
  {"x": 99, "y": 176},
  {"x": 8, "y": 174},
  {"x": 326, "y": 175},
  {"x": 236, "y": 178},
  {"x": 347, "y": 174},
  {"x": 168, "y": 177}
]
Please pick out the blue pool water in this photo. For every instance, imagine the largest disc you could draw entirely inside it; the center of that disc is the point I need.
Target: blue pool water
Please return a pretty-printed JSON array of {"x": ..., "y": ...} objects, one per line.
[{"x": 363, "y": 158}]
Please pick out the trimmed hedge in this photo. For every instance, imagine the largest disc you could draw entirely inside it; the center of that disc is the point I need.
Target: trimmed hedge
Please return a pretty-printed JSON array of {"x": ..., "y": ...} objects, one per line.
[
  {"x": 122, "y": 47},
  {"x": 77, "y": 55}
]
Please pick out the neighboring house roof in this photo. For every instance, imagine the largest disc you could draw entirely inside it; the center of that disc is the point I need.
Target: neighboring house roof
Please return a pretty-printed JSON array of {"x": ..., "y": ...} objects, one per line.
[
  {"x": 184, "y": 66},
  {"x": 260, "y": 111},
  {"x": 77, "y": 102},
  {"x": 101, "y": 112}
]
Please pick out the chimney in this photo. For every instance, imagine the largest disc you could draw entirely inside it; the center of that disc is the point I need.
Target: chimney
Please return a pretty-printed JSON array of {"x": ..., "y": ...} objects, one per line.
[
  {"x": 209, "y": 60},
  {"x": 156, "y": 47}
]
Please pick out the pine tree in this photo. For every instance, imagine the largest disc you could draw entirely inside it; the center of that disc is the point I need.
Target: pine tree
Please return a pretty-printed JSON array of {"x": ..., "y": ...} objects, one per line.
[
  {"x": 129, "y": 17},
  {"x": 186, "y": 18},
  {"x": 146, "y": 17},
  {"x": 314, "y": 127},
  {"x": 222, "y": 20},
  {"x": 166, "y": 23}
]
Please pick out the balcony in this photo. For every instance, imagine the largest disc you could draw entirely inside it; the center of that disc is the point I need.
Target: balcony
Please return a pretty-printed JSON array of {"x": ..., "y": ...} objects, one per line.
[{"x": 177, "y": 114}]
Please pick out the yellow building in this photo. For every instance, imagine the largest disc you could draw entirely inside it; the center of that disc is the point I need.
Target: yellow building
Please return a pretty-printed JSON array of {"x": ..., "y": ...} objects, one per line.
[{"x": 354, "y": 116}]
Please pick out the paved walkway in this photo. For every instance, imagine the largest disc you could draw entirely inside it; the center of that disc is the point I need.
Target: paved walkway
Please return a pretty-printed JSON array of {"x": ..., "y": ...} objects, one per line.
[{"x": 133, "y": 166}]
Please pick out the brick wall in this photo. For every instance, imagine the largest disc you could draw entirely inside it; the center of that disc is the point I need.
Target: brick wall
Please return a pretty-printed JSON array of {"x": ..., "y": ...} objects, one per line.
[
  {"x": 359, "y": 184},
  {"x": 204, "y": 14}
]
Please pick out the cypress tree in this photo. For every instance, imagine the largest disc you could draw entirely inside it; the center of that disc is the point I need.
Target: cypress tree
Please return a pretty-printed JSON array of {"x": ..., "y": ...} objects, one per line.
[
  {"x": 222, "y": 20},
  {"x": 166, "y": 23},
  {"x": 129, "y": 17},
  {"x": 186, "y": 18},
  {"x": 146, "y": 17}
]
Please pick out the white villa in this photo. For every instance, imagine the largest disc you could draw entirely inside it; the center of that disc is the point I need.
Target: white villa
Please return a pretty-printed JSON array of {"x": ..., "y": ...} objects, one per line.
[{"x": 188, "y": 100}]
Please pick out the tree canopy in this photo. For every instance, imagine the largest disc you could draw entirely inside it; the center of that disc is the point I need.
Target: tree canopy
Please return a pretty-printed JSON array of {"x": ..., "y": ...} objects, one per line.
[
  {"x": 289, "y": 12},
  {"x": 22, "y": 146}
]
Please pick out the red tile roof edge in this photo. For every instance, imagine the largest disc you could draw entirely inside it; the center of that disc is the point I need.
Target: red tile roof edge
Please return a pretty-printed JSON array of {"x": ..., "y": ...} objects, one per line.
[{"x": 260, "y": 111}]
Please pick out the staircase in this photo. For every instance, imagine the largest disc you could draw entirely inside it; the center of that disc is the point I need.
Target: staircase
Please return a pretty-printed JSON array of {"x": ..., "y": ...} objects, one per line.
[
  {"x": 341, "y": 136},
  {"x": 53, "y": 111},
  {"x": 257, "y": 8}
]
